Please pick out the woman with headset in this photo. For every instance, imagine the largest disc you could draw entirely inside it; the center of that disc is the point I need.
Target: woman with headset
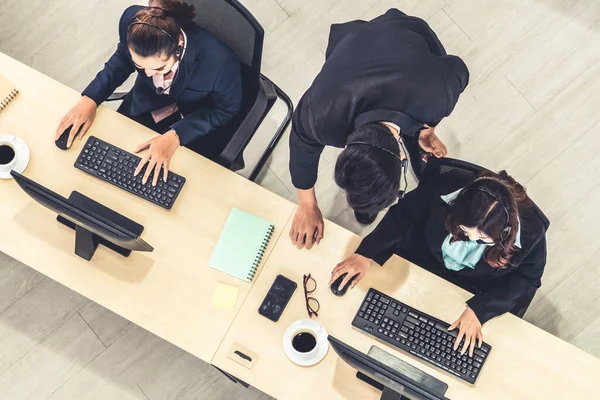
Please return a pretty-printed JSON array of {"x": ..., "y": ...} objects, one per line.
[
  {"x": 188, "y": 83},
  {"x": 481, "y": 234}
]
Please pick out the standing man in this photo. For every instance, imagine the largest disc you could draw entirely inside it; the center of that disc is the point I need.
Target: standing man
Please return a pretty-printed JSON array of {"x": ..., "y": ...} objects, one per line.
[{"x": 385, "y": 81}]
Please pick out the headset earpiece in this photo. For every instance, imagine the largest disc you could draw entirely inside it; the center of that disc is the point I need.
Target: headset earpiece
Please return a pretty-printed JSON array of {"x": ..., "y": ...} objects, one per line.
[{"x": 179, "y": 50}]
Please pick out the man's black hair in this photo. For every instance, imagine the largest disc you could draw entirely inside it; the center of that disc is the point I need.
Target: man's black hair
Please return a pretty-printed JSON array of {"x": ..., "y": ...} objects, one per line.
[{"x": 369, "y": 175}]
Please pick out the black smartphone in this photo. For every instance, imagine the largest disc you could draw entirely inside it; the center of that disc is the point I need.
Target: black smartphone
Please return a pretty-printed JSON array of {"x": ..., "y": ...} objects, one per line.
[{"x": 277, "y": 298}]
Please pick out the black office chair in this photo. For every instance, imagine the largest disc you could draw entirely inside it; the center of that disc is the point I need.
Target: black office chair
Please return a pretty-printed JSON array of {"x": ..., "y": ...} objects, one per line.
[
  {"x": 437, "y": 167},
  {"x": 234, "y": 25}
]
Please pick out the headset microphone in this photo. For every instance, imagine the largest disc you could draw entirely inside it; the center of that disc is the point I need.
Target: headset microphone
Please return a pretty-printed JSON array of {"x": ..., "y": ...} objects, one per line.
[{"x": 160, "y": 91}]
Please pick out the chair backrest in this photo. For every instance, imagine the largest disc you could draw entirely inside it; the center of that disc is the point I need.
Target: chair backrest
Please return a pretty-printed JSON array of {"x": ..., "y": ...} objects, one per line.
[
  {"x": 230, "y": 22},
  {"x": 440, "y": 166}
]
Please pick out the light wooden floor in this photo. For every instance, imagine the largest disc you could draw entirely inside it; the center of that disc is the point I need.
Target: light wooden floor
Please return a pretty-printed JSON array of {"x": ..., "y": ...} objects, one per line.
[{"x": 532, "y": 107}]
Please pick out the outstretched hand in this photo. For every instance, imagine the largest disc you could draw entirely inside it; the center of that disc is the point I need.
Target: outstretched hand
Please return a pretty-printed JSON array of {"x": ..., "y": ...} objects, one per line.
[
  {"x": 159, "y": 154},
  {"x": 469, "y": 327}
]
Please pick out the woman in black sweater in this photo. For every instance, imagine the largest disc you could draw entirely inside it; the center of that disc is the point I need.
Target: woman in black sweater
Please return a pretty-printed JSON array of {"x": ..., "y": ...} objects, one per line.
[{"x": 481, "y": 234}]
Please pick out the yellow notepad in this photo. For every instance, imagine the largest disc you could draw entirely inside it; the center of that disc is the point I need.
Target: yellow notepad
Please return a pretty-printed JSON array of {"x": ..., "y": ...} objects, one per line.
[
  {"x": 225, "y": 296},
  {"x": 8, "y": 92}
]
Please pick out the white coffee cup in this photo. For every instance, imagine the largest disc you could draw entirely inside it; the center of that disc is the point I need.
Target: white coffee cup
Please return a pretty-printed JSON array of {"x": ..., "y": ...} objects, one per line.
[
  {"x": 305, "y": 342},
  {"x": 8, "y": 152},
  {"x": 14, "y": 155}
]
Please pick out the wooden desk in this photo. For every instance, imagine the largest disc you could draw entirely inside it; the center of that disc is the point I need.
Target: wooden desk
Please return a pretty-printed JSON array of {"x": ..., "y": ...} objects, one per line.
[
  {"x": 525, "y": 362},
  {"x": 167, "y": 292}
]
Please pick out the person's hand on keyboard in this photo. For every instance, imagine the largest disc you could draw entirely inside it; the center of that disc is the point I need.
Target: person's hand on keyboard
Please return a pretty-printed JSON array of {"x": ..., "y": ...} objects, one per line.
[
  {"x": 353, "y": 265},
  {"x": 469, "y": 328},
  {"x": 80, "y": 117},
  {"x": 159, "y": 154}
]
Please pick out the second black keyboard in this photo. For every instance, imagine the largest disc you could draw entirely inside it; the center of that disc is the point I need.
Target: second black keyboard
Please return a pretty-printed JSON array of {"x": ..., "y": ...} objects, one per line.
[
  {"x": 116, "y": 166},
  {"x": 418, "y": 334}
]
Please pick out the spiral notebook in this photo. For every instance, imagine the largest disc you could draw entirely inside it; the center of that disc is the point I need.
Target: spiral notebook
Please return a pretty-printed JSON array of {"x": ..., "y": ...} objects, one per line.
[
  {"x": 8, "y": 92},
  {"x": 242, "y": 245}
]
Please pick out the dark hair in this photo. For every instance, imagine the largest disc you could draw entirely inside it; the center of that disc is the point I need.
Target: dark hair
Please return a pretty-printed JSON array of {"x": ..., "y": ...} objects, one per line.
[
  {"x": 169, "y": 15},
  {"x": 369, "y": 175},
  {"x": 476, "y": 207}
]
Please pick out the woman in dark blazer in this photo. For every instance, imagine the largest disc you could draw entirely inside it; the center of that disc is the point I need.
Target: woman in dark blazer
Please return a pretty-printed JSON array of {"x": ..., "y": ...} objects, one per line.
[
  {"x": 481, "y": 234},
  {"x": 188, "y": 83}
]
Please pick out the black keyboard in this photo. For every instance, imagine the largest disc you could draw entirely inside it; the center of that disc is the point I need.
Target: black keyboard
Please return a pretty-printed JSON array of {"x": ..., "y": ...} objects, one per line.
[
  {"x": 116, "y": 166},
  {"x": 418, "y": 334}
]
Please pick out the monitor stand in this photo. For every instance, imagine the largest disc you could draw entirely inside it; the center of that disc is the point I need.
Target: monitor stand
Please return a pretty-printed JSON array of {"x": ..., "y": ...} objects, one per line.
[
  {"x": 405, "y": 369},
  {"x": 87, "y": 242},
  {"x": 388, "y": 394}
]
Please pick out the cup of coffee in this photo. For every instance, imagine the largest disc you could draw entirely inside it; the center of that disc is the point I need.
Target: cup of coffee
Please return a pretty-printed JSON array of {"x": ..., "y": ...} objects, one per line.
[
  {"x": 14, "y": 155},
  {"x": 305, "y": 342},
  {"x": 8, "y": 155}
]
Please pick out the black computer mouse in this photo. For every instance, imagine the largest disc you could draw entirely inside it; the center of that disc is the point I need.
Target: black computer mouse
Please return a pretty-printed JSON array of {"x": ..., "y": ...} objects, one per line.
[
  {"x": 63, "y": 140},
  {"x": 335, "y": 286}
]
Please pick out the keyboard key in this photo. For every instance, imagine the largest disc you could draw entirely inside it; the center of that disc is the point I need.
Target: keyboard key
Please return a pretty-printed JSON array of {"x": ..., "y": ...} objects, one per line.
[
  {"x": 413, "y": 314},
  {"x": 479, "y": 353}
]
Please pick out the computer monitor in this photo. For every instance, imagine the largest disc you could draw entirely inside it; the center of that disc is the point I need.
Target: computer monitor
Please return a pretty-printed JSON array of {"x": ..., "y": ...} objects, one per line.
[
  {"x": 94, "y": 224},
  {"x": 395, "y": 384}
]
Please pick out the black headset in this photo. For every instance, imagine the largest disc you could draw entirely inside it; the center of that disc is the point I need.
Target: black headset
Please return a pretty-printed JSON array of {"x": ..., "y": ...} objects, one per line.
[
  {"x": 178, "y": 50},
  {"x": 507, "y": 229},
  {"x": 403, "y": 163}
]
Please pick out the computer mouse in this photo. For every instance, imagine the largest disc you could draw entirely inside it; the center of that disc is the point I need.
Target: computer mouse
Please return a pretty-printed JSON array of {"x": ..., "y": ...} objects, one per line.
[
  {"x": 335, "y": 286},
  {"x": 63, "y": 140}
]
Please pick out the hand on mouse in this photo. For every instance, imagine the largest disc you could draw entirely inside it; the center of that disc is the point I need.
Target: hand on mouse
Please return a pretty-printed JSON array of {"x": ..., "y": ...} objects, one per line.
[
  {"x": 80, "y": 117},
  {"x": 159, "y": 154},
  {"x": 353, "y": 265}
]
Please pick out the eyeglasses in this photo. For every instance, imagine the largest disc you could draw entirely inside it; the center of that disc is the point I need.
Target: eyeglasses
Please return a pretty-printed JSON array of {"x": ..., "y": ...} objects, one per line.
[{"x": 312, "y": 304}]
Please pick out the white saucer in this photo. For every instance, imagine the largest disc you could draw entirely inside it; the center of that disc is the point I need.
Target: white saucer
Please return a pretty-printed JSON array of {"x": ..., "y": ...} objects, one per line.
[
  {"x": 322, "y": 342},
  {"x": 21, "y": 154}
]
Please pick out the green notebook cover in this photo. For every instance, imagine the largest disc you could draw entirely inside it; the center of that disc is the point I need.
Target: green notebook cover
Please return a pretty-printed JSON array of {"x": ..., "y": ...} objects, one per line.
[{"x": 242, "y": 244}]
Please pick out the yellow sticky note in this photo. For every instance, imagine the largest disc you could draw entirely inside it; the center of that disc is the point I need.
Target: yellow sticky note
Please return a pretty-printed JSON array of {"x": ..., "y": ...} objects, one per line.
[{"x": 225, "y": 296}]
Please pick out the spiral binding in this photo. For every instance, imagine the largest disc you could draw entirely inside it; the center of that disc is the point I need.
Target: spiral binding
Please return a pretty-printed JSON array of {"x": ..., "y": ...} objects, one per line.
[
  {"x": 261, "y": 253},
  {"x": 8, "y": 99}
]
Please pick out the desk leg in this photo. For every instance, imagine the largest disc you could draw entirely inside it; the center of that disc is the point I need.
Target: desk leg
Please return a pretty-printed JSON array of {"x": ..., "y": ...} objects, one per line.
[{"x": 233, "y": 378}]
